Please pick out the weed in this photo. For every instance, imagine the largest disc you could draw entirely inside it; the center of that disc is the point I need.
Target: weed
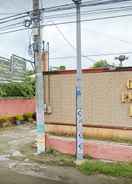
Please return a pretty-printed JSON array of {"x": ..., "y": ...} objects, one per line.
[{"x": 113, "y": 169}]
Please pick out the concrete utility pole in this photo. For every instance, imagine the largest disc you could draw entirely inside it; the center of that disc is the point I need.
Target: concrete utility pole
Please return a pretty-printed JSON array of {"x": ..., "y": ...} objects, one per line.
[
  {"x": 36, "y": 33},
  {"x": 79, "y": 108}
]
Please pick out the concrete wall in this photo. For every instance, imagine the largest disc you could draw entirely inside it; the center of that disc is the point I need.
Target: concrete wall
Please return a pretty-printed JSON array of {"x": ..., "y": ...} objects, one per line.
[
  {"x": 61, "y": 98},
  {"x": 102, "y": 97},
  {"x": 95, "y": 149},
  {"x": 16, "y": 106}
]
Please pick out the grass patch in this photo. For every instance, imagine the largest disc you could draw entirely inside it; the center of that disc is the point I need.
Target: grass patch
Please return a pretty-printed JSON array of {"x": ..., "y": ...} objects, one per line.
[
  {"x": 90, "y": 167},
  {"x": 51, "y": 157},
  {"x": 113, "y": 169}
]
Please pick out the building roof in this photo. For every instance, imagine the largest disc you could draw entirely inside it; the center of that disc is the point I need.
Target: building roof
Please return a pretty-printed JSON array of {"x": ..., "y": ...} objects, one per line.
[{"x": 91, "y": 70}]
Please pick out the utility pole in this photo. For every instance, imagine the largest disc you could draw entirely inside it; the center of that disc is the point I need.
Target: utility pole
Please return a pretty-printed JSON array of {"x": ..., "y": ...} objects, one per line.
[
  {"x": 79, "y": 107},
  {"x": 36, "y": 33}
]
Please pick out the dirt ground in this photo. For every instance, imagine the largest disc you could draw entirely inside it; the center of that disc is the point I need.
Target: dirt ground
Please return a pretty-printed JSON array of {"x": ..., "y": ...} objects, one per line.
[{"x": 16, "y": 167}]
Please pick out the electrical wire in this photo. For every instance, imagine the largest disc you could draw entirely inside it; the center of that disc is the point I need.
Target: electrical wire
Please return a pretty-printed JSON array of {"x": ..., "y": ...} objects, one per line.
[
  {"x": 13, "y": 19},
  {"x": 14, "y": 16},
  {"x": 107, "y": 2},
  {"x": 93, "y": 12},
  {"x": 69, "y": 43},
  {"x": 92, "y": 55},
  {"x": 67, "y": 7},
  {"x": 11, "y": 26},
  {"x": 13, "y": 31},
  {"x": 60, "y": 8},
  {"x": 109, "y": 36},
  {"x": 71, "y": 22},
  {"x": 60, "y": 23},
  {"x": 88, "y": 20},
  {"x": 27, "y": 13},
  {"x": 22, "y": 22},
  {"x": 85, "y": 4}
]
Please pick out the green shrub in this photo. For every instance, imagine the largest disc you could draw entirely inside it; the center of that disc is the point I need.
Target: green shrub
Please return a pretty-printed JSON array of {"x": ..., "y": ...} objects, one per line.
[
  {"x": 24, "y": 89},
  {"x": 28, "y": 116},
  {"x": 113, "y": 169},
  {"x": 4, "y": 121},
  {"x": 19, "y": 117}
]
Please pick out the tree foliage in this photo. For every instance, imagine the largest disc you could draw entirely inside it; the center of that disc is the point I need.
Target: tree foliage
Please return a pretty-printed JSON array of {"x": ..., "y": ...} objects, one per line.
[
  {"x": 62, "y": 67},
  {"x": 101, "y": 63},
  {"x": 23, "y": 89}
]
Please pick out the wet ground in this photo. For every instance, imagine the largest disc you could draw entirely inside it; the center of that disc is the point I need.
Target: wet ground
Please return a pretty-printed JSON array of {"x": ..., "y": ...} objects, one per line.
[
  {"x": 16, "y": 168},
  {"x": 9, "y": 177}
]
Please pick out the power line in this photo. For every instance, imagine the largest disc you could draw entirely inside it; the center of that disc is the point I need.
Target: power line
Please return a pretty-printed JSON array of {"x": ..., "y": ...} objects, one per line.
[
  {"x": 13, "y": 16},
  {"x": 71, "y": 22},
  {"x": 85, "y": 4},
  {"x": 88, "y": 20},
  {"x": 13, "y": 31},
  {"x": 12, "y": 19},
  {"x": 62, "y": 8},
  {"x": 107, "y": 2},
  {"x": 91, "y": 12},
  {"x": 25, "y": 14},
  {"x": 65, "y": 22},
  {"x": 68, "y": 42},
  {"x": 18, "y": 24},
  {"x": 110, "y": 36},
  {"x": 92, "y": 55},
  {"x": 106, "y": 35}
]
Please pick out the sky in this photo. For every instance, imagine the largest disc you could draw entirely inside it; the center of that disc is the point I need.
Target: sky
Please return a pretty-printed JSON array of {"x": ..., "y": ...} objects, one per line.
[{"x": 104, "y": 36}]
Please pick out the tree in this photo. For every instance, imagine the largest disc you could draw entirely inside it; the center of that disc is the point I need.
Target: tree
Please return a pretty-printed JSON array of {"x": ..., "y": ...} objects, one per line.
[
  {"x": 23, "y": 89},
  {"x": 62, "y": 67},
  {"x": 101, "y": 64}
]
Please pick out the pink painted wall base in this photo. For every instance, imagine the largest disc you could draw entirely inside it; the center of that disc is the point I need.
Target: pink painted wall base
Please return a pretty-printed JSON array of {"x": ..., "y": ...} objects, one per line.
[
  {"x": 16, "y": 106},
  {"x": 95, "y": 149}
]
